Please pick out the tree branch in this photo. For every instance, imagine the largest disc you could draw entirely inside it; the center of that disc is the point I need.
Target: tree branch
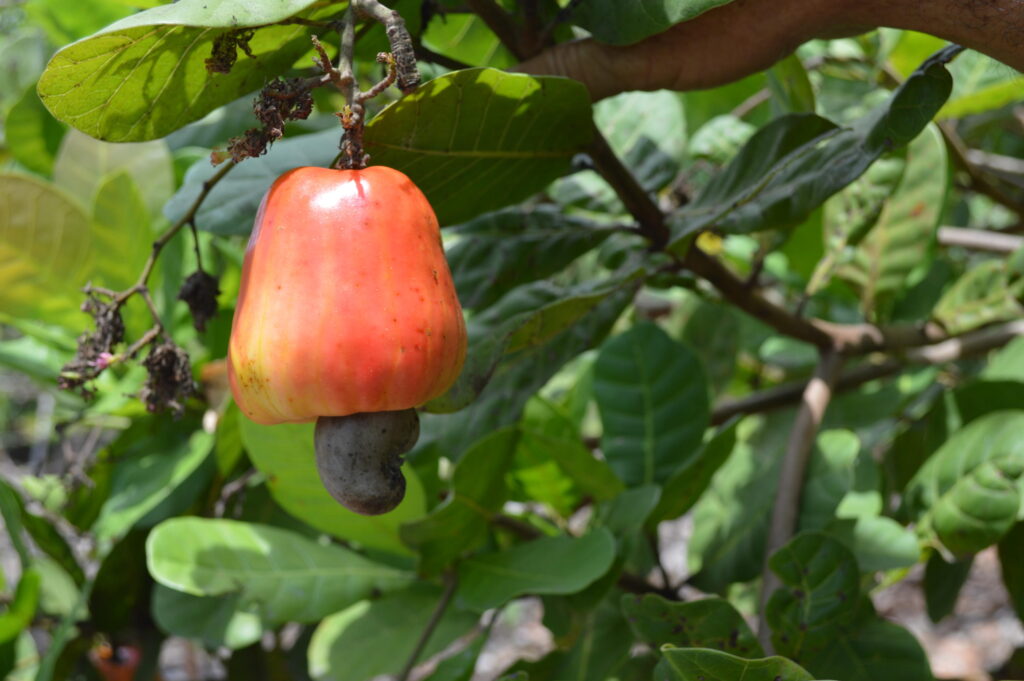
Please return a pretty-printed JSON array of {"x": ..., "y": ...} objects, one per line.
[
  {"x": 966, "y": 345},
  {"x": 980, "y": 239},
  {"x": 980, "y": 181},
  {"x": 450, "y": 582},
  {"x": 815, "y": 400}
]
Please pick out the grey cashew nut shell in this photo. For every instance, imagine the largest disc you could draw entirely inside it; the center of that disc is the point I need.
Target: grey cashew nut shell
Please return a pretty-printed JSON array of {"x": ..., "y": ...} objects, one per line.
[{"x": 359, "y": 457}]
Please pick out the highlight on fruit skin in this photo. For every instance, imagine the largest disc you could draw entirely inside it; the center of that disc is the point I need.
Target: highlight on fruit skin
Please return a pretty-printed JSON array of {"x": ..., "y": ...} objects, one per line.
[{"x": 346, "y": 307}]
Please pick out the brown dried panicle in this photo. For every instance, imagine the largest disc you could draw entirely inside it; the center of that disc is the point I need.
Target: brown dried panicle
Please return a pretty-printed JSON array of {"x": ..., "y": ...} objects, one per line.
[
  {"x": 169, "y": 382},
  {"x": 224, "y": 52},
  {"x": 280, "y": 101},
  {"x": 95, "y": 350},
  {"x": 200, "y": 293}
]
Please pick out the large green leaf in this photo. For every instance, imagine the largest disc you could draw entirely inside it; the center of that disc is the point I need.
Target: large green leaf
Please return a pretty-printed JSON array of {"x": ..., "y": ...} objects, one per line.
[
  {"x": 155, "y": 457},
  {"x": 551, "y": 565},
  {"x": 526, "y": 317},
  {"x": 480, "y": 139},
  {"x": 967, "y": 493},
  {"x": 230, "y": 207},
  {"x": 461, "y": 522},
  {"x": 284, "y": 453},
  {"x": 653, "y": 398},
  {"x": 521, "y": 374},
  {"x": 551, "y": 451},
  {"x": 32, "y": 135},
  {"x": 819, "y": 594},
  {"x": 145, "y": 76},
  {"x": 842, "y": 481},
  {"x": 942, "y": 583},
  {"x": 704, "y": 664},
  {"x": 83, "y": 164},
  {"x": 872, "y": 649},
  {"x": 731, "y": 518},
  {"x": 980, "y": 296},
  {"x": 214, "y": 620},
  {"x": 775, "y": 181},
  {"x": 904, "y": 232},
  {"x": 278, "y": 574},
  {"x": 621, "y": 23},
  {"x": 499, "y": 251},
  {"x": 46, "y": 252},
  {"x": 687, "y": 484},
  {"x": 704, "y": 623},
  {"x": 372, "y": 638},
  {"x": 467, "y": 38}
]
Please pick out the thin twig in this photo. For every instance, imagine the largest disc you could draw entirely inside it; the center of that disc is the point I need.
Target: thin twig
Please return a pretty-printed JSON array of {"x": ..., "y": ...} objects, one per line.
[
  {"x": 980, "y": 239},
  {"x": 791, "y": 477},
  {"x": 980, "y": 181},
  {"x": 450, "y": 582}
]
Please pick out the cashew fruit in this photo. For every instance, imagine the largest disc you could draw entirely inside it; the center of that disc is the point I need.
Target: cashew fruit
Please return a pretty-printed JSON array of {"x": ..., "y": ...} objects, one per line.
[{"x": 346, "y": 306}]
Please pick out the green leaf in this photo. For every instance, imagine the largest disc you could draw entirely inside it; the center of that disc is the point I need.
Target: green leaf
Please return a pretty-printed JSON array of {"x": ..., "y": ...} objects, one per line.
[
  {"x": 372, "y": 638},
  {"x": 653, "y": 398},
  {"x": 500, "y": 251},
  {"x": 47, "y": 250},
  {"x": 902, "y": 237},
  {"x": 43, "y": 533},
  {"x": 230, "y": 207},
  {"x": 994, "y": 96},
  {"x": 551, "y": 565},
  {"x": 1007, "y": 364},
  {"x": 284, "y": 454},
  {"x": 819, "y": 594},
  {"x": 980, "y": 296},
  {"x": 120, "y": 591},
  {"x": 58, "y": 592},
  {"x": 967, "y": 493},
  {"x": 460, "y": 666},
  {"x": 479, "y": 139},
  {"x": 461, "y": 522},
  {"x": 600, "y": 646},
  {"x": 942, "y": 583},
  {"x": 872, "y": 649},
  {"x": 688, "y": 483},
  {"x": 33, "y": 358},
  {"x": 551, "y": 443},
  {"x": 526, "y": 317},
  {"x": 66, "y": 22},
  {"x": 521, "y": 374},
  {"x": 842, "y": 481},
  {"x": 704, "y": 623},
  {"x": 84, "y": 163},
  {"x": 122, "y": 236},
  {"x": 702, "y": 664},
  {"x": 145, "y": 76},
  {"x": 730, "y": 519},
  {"x": 1011, "y": 559},
  {"x": 32, "y": 135},
  {"x": 790, "y": 87},
  {"x": 22, "y": 608},
  {"x": 775, "y": 181},
  {"x": 879, "y": 543},
  {"x": 621, "y": 23},
  {"x": 467, "y": 38},
  {"x": 280, "y": 575},
  {"x": 214, "y": 620},
  {"x": 155, "y": 458}
]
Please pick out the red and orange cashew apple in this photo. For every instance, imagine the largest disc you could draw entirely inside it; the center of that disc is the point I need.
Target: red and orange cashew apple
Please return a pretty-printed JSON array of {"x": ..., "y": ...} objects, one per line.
[{"x": 347, "y": 315}]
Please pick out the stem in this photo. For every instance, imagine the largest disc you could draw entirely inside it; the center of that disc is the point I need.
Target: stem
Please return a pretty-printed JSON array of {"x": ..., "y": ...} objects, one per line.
[
  {"x": 450, "y": 582},
  {"x": 980, "y": 181},
  {"x": 980, "y": 239},
  {"x": 408, "y": 75},
  {"x": 815, "y": 400},
  {"x": 636, "y": 199}
]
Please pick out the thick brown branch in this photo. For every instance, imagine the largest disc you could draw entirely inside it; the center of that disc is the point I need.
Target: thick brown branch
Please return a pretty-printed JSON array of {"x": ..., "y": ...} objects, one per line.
[
  {"x": 816, "y": 397},
  {"x": 980, "y": 181}
]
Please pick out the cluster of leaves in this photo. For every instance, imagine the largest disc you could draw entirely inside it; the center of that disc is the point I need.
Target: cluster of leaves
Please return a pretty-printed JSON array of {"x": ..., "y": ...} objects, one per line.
[{"x": 585, "y": 418}]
